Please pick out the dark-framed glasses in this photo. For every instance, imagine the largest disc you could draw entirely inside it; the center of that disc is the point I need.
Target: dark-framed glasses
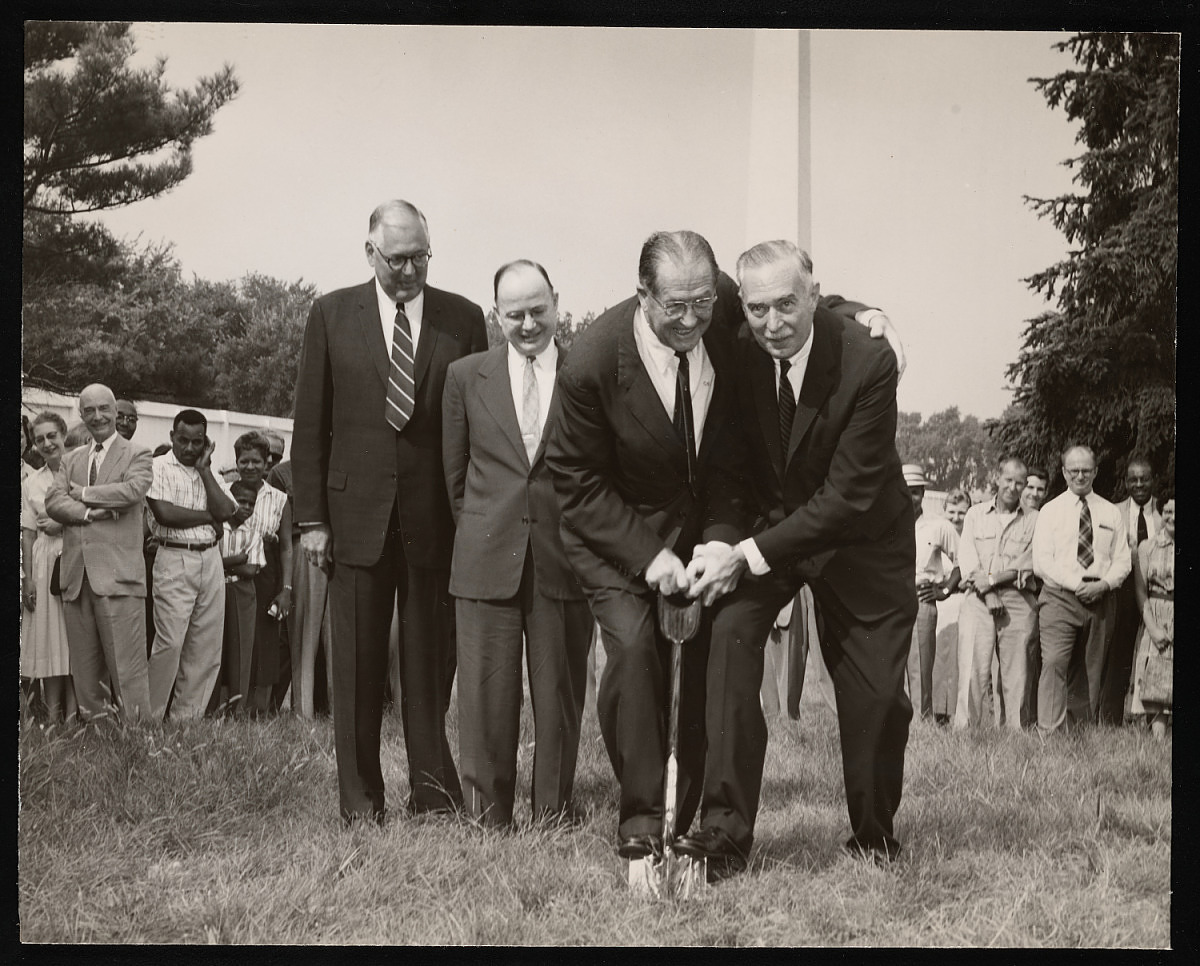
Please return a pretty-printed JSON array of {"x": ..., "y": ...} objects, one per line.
[
  {"x": 397, "y": 262},
  {"x": 676, "y": 309}
]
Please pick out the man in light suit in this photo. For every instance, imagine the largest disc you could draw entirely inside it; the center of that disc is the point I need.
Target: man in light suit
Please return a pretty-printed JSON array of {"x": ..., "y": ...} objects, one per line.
[
  {"x": 98, "y": 496},
  {"x": 509, "y": 574},
  {"x": 370, "y": 499},
  {"x": 1140, "y": 520},
  {"x": 817, "y": 407}
]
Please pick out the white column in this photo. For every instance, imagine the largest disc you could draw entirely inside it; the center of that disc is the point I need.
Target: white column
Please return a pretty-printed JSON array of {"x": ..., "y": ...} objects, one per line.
[{"x": 779, "y": 174}]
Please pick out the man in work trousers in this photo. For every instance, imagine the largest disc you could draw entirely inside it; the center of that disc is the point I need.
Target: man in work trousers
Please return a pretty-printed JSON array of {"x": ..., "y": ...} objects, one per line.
[
  {"x": 510, "y": 575},
  {"x": 370, "y": 499}
]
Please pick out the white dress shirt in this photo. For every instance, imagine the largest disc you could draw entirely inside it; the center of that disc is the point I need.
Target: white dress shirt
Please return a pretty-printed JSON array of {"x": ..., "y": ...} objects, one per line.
[
  {"x": 545, "y": 368},
  {"x": 1150, "y": 513},
  {"x": 663, "y": 369},
  {"x": 415, "y": 310},
  {"x": 1056, "y": 543},
  {"x": 799, "y": 366}
]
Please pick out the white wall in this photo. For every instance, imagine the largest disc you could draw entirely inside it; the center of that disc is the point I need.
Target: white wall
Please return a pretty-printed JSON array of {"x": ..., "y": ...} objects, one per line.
[{"x": 155, "y": 418}]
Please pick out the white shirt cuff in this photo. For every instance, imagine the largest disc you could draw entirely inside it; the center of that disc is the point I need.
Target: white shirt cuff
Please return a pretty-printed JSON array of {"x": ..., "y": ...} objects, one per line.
[
  {"x": 758, "y": 565},
  {"x": 866, "y": 316}
]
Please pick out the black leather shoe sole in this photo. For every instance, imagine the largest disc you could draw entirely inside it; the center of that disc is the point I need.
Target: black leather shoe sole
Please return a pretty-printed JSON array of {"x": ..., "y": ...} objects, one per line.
[{"x": 640, "y": 846}]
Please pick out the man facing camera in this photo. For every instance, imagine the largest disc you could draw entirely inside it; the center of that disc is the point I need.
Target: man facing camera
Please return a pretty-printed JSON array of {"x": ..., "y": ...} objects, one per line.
[
  {"x": 817, "y": 407},
  {"x": 509, "y": 574},
  {"x": 97, "y": 495},
  {"x": 370, "y": 499}
]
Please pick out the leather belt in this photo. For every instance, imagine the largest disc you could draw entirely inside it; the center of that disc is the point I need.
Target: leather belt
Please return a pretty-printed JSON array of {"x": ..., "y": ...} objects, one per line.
[{"x": 183, "y": 545}]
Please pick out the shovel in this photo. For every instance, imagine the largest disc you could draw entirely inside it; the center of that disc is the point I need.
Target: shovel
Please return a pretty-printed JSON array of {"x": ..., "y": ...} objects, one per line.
[{"x": 672, "y": 874}]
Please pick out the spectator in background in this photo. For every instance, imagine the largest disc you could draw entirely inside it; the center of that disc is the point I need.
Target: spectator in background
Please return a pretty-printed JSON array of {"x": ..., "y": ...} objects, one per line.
[
  {"x": 1032, "y": 497},
  {"x": 272, "y": 583},
  {"x": 127, "y": 418},
  {"x": 31, "y": 459},
  {"x": 291, "y": 536},
  {"x": 189, "y": 504},
  {"x": 97, "y": 494},
  {"x": 996, "y": 557},
  {"x": 77, "y": 436},
  {"x": 1081, "y": 554},
  {"x": 45, "y": 657},
  {"x": 945, "y": 658},
  {"x": 1154, "y": 576},
  {"x": 936, "y": 539},
  {"x": 1140, "y": 521},
  {"x": 241, "y": 559}
]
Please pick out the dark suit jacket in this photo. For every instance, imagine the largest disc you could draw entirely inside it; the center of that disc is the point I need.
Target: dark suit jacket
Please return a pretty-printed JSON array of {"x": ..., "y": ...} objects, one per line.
[
  {"x": 502, "y": 505},
  {"x": 620, "y": 470},
  {"x": 350, "y": 466},
  {"x": 110, "y": 550},
  {"x": 838, "y": 497}
]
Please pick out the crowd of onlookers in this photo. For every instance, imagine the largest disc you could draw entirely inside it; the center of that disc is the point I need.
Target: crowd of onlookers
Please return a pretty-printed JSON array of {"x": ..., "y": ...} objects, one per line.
[{"x": 124, "y": 609}]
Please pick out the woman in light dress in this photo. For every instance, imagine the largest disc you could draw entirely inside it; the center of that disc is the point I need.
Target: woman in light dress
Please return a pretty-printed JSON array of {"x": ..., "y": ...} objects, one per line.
[
  {"x": 1154, "y": 583},
  {"x": 44, "y": 656}
]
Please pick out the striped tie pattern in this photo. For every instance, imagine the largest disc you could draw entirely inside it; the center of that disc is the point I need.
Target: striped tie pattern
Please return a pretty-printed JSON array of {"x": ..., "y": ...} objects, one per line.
[
  {"x": 531, "y": 430},
  {"x": 1086, "y": 556},
  {"x": 95, "y": 467},
  {"x": 787, "y": 406},
  {"x": 401, "y": 391}
]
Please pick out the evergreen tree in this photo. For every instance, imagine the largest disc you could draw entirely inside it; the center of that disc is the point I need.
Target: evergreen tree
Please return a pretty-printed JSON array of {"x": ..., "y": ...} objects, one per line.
[{"x": 1100, "y": 369}]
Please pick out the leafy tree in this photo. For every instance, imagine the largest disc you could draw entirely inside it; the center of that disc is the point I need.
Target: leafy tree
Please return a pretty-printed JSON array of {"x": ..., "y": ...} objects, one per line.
[
  {"x": 99, "y": 134},
  {"x": 953, "y": 450},
  {"x": 1100, "y": 369},
  {"x": 567, "y": 331}
]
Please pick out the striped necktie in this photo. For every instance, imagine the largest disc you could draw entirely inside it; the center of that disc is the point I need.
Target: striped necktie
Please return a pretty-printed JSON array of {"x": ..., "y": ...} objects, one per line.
[
  {"x": 1085, "y": 554},
  {"x": 787, "y": 406},
  {"x": 401, "y": 390},
  {"x": 531, "y": 430},
  {"x": 94, "y": 468}
]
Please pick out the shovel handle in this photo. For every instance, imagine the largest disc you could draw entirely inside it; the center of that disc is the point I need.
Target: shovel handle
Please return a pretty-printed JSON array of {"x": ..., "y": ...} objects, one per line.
[{"x": 671, "y": 783}]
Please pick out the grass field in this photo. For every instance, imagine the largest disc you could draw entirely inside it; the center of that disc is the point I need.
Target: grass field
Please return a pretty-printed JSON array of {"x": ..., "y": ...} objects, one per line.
[{"x": 224, "y": 831}]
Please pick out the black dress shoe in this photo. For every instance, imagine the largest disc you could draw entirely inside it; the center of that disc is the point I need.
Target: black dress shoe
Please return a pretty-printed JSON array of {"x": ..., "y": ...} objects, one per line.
[
  {"x": 717, "y": 848},
  {"x": 640, "y": 846}
]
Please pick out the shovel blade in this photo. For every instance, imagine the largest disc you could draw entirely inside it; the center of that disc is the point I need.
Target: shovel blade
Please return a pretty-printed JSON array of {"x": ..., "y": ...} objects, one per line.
[
  {"x": 671, "y": 876},
  {"x": 646, "y": 876},
  {"x": 678, "y": 617}
]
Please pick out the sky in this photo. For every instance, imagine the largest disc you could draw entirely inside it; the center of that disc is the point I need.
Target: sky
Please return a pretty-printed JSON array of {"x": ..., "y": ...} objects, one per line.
[{"x": 571, "y": 145}]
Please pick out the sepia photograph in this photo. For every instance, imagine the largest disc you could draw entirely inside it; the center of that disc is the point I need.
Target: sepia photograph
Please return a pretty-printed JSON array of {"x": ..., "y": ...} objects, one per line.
[{"x": 597, "y": 486}]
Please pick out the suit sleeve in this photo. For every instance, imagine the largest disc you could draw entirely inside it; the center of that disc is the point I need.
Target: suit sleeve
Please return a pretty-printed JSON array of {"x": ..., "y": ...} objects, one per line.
[
  {"x": 313, "y": 422},
  {"x": 579, "y": 453},
  {"x": 843, "y": 307},
  {"x": 59, "y": 505},
  {"x": 456, "y": 440},
  {"x": 862, "y": 464},
  {"x": 128, "y": 491}
]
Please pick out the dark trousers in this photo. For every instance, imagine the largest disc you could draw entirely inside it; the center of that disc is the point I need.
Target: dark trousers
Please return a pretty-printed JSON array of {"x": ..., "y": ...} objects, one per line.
[
  {"x": 867, "y": 663},
  {"x": 556, "y": 634},
  {"x": 1118, "y": 665},
  {"x": 632, "y": 705},
  {"x": 237, "y": 645},
  {"x": 362, "y": 599}
]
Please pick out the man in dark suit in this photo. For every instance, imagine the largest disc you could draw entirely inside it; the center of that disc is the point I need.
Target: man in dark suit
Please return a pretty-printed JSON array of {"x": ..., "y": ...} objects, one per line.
[
  {"x": 509, "y": 574},
  {"x": 97, "y": 495},
  {"x": 817, "y": 404},
  {"x": 370, "y": 498}
]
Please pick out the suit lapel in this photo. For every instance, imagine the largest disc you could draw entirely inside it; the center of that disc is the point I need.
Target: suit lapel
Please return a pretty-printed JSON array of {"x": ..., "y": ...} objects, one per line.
[
  {"x": 541, "y": 450},
  {"x": 113, "y": 454},
  {"x": 766, "y": 402},
  {"x": 641, "y": 397},
  {"x": 370, "y": 326},
  {"x": 495, "y": 392},
  {"x": 431, "y": 329},
  {"x": 818, "y": 381}
]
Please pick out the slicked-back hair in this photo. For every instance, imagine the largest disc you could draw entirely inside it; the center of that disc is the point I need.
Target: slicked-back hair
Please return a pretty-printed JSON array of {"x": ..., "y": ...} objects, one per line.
[
  {"x": 1083, "y": 446},
  {"x": 679, "y": 246},
  {"x": 518, "y": 262},
  {"x": 770, "y": 252},
  {"x": 48, "y": 417},
  {"x": 388, "y": 207},
  {"x": 1040, "y": 472},
  {"x": 253, "y": 440},
  {"x": 193, "y": 417}
]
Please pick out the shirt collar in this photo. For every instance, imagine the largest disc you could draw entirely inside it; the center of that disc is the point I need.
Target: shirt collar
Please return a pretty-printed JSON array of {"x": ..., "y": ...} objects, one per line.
[
  {"x": 413, "y": 308},
  {"x": 662, "y": 356},
  {"x": 546, "y": 359},
  {"x": 800, "y": 357}
]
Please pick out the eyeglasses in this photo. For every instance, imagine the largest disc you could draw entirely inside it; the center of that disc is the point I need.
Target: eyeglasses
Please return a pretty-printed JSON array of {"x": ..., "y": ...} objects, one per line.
[
  {"x": 397, "y": 262},
  {"x": 677, "y": 309},
  {"x": 1078, "y": 472}
]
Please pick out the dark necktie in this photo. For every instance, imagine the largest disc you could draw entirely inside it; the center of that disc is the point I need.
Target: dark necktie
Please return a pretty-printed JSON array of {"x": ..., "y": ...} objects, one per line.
[
  {"x": 401, "y": 391},
  {"x": 787, "y": 406},
  {"x": 1085, "y": 534},
  {"x": 683, "y": 415},
  {"x": 95, "y": 461},
  {"x": 1141, "y": 525}
]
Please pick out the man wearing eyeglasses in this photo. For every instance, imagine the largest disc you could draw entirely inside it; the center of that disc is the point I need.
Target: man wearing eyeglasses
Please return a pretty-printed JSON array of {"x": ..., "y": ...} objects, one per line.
[
  {"x": 1081, "y": 553},
  {"x": 370, "y": 499},
  {"x": 127, "y": 418}
]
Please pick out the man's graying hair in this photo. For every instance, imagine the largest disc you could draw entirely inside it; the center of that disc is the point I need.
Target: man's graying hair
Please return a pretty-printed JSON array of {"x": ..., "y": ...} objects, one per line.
[
  {"x": 391, "y": 207},
  {"x": 676, "y": 246},
  {"x": 770, "y": 252}
]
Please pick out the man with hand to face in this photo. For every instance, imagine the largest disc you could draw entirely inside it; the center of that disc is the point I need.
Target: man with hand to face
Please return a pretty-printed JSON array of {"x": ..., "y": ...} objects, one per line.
[
  {"x": 1081, "y": 553},
  {"x": 509, "y": 574},
  {"x": 97, "y": 495},
  {"x": 817, "y": 408}
]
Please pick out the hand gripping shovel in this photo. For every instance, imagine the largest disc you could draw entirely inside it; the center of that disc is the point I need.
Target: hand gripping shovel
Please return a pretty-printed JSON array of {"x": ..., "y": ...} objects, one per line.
[{"x": 672, "y": 874}]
